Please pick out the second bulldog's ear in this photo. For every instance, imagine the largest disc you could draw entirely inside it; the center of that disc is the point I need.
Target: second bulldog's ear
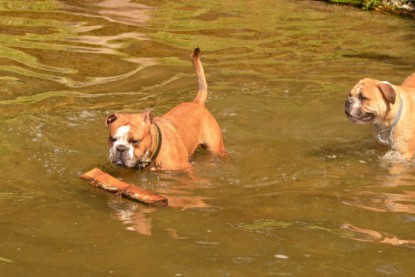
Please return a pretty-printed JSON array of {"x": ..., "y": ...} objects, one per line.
[
  {"x": 148, "y": 117},
  {"x": 388, "y": 91},
  {"x": 110, "y": 119}
]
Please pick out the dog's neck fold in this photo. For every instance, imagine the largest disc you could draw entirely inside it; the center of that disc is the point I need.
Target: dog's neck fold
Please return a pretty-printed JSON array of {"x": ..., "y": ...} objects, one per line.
[
  {"x": 385, "y": 132},
  {"x": 154, "y": 148}
]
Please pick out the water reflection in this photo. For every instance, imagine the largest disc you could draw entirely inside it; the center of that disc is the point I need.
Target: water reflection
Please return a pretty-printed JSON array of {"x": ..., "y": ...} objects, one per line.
[
  {"x": 120, "y": 11},
  {"x": 303, "y": 189},
  {"x": 39, "y": 50},
  {"x": 399, "y": 196},
  {"x": 394, "y": 194},
  {"x": 367, "y": 235},
  {"x": 403, "y": 202},
  {"x": 134, "y": 215},
  {"x": 180, "y": 191},
  {"x": 138, "y": 217},
  {"x": 28, "y": 5}
]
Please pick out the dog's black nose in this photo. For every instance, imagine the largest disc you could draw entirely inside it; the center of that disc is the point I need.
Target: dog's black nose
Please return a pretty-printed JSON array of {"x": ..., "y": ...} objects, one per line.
[
  {"x": 348, "y": 102},
  {"x": 121, "y": 148}
]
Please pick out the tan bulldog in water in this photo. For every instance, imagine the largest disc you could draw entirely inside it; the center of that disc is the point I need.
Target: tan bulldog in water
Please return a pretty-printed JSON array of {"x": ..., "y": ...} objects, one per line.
[
  {"x": 166, "y": 142},
  {"x": 390, "y": 110}
]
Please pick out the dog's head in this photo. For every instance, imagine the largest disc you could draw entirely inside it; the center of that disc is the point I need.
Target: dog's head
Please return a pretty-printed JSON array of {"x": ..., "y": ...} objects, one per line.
[
  {"x": 369, "y": 101},
  {"x": 129, "y": 138}
]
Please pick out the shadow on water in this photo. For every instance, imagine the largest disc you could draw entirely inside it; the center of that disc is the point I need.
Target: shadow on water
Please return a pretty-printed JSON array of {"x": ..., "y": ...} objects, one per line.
[{"x": 381, "y": 58}]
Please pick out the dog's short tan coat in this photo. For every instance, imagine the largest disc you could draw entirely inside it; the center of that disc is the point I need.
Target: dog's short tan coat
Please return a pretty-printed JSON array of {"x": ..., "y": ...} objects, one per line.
[
  {"x": 390, "y": 109},
  {"x": 166, "y": 142}
]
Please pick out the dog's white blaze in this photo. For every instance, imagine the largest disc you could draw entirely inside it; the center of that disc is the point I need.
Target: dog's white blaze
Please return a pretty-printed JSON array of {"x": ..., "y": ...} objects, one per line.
[
  {"x": 121, "y": 134},
  {"x": 121, "y": 137}
]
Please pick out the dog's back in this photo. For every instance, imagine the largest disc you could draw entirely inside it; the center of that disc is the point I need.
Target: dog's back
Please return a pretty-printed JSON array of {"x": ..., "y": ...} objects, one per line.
[
  {"x": 192, "y": 121},
  {"x": 409, "y": 81}
]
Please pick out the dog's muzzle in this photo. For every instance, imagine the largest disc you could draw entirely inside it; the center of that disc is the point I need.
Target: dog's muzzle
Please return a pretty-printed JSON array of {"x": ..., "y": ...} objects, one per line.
[
  {"x": 121, "y": 155},
  {"x": 354, "y": 112},
  {"x": 347, "y": 106}
]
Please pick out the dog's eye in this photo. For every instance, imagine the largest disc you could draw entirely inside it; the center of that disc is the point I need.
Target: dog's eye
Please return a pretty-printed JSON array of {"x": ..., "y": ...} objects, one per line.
[
  {"x": 134, "y": 141},
  {"x": 362, "y": 97},
  {"x": 112, "y": 139}
]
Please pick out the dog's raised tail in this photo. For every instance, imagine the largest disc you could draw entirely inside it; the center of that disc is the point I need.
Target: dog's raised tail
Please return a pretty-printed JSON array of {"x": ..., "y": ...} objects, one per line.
[{"x": 200, "y": 74}]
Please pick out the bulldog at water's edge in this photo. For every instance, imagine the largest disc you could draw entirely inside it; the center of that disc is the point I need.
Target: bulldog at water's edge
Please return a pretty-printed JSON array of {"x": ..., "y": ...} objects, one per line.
[
  {"x": 166, "y": 142},
  {"x": 390, "y": 109}
]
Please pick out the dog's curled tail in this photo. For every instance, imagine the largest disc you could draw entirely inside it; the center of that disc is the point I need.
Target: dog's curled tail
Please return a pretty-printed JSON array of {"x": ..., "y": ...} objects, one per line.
[{"x": 200, "y": 74}]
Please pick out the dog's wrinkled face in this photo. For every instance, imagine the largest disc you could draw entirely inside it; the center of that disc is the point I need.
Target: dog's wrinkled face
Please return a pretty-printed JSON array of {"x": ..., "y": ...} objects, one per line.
[
  {"x": 129, "y": 138},
  {"x": 369, "y": 100}
]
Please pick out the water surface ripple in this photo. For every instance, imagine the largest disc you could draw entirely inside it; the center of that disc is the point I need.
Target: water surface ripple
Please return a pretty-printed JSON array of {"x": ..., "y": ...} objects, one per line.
[{"x": 304, "y": 192}]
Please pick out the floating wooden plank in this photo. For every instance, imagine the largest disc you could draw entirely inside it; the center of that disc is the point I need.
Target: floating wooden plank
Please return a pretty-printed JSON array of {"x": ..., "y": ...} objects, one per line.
[{"x": 102, "y": 180}]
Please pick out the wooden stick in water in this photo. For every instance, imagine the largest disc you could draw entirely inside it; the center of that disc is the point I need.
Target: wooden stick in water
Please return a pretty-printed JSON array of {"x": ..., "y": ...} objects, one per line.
[{"x": 106, "y": 182}]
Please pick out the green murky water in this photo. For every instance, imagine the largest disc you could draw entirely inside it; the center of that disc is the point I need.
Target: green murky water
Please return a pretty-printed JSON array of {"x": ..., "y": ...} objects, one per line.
[{"x": 304, "y": 191}]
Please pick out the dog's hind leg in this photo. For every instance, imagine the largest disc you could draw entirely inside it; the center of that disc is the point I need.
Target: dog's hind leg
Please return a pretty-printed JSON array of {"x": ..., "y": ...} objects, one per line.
[{"x": 212, "y": 138}]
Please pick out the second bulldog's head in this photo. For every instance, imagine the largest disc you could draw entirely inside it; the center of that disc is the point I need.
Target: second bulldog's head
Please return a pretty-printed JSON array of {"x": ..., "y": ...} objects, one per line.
[
  {"x": 369, "y": 101},
  {"x": 129, "y": 138}
]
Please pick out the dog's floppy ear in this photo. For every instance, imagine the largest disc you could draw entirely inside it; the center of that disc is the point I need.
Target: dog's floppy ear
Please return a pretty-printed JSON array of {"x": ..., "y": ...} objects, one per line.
[
  {"x": 148, "y": 117},
  {"x": 110, "y": 119},
  {"x": 388, "y": 91}
]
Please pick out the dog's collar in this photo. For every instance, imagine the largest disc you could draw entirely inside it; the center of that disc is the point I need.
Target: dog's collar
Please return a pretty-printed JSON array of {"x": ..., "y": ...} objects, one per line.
[
  {"x": 148, "y": 159},
  {"x": 391, "y": 130},
  {"x": 158, "y": 143}
]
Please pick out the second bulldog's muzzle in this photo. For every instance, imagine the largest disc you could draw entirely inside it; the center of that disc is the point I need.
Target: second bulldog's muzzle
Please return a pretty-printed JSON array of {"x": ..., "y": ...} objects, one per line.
[
  {"x": 348, "y": 104},
  {"x": 355, "y": 113}
]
